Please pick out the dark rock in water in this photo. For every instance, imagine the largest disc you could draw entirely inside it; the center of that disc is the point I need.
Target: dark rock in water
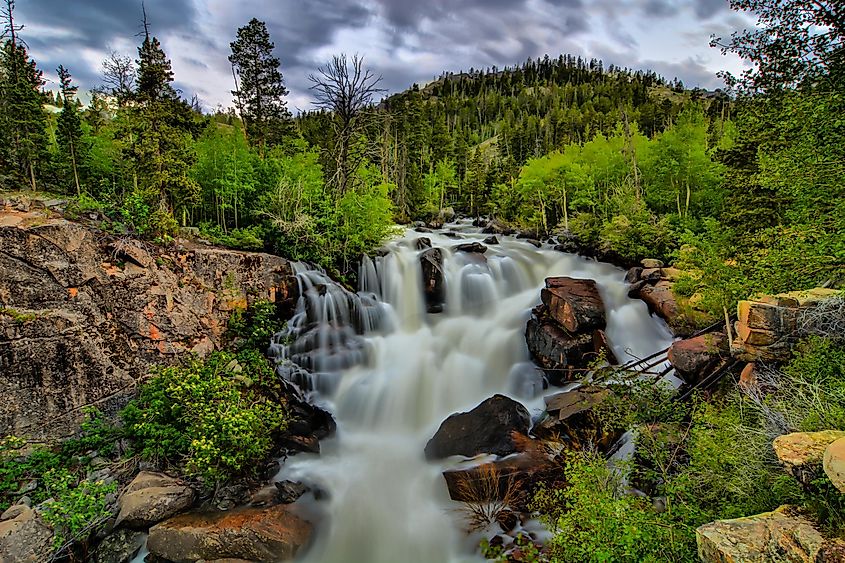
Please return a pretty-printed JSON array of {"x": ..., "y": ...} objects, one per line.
[
  {"x": 567, "y": 248},
  {"x": 273, "y": 533},
  {"x": 451, "y": 235},
  {"x": 633, "y": 275},
  {"x": 423, "y": 230},
  {"x": 496, "y": 227},
  {"x": 433, "y": 279},
  {"x": 289, "y": 491},
  {"x": 531, "y": 235},
  {"x": 535, "y": 242},
  {"x": 636, "y": 288},
  {"x": 472, "y": 247},
  {"x": 491, "y": 240},
  {"x": 696, "y": 358},
  {"x": 418, "y": 223},
  {"x": 120, "y": 546},
  {"x": 557, "y": 351},
  {"x": 480, "y": 222},
  {"x": 651, "y": 275},
  {"x": 423, "y": 242},
  {"x": 574, "y": 303},
  {"x": 485, "y": 429},
  {"x": 571, "y": 415}
]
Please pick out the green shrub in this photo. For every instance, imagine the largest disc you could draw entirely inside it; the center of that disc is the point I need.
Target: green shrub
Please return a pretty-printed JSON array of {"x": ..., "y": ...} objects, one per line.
[
  {"x": 97, "y": 434},
  {"x": 217, "y": 417},
  {"x": 78, "y": 509},
  {"x": 255, "y": 326},
  {"x": 17, "y": 468},
  {"x": 247, "y": 238}
]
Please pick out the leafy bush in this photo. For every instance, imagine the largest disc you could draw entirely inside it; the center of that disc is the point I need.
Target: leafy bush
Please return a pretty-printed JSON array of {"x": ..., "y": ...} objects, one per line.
[
  {"x": 78, "y": 509},
  {"x": 255, "y": 326},
  {"x": 247, "y": 238},
  {"x": 217, "y": 416}
]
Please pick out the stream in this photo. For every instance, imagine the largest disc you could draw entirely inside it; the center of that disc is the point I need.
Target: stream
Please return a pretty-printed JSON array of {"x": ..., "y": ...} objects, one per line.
[{"x": 391, "y": 373}]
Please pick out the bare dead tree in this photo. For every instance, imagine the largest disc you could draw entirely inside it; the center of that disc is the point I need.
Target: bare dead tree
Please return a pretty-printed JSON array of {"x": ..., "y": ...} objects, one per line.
[
  {"x": 118, "y": 77},
  {"x": 346, "y": 89},
  {"x": 10, "y": 29}
]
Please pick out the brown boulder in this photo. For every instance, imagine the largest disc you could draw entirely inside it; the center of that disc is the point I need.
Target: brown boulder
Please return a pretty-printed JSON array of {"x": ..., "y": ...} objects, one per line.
[
  {"x": 696, "y": 358},
  {"x": 500, "y": 479},
  {"x": 801, "y": 453},
  {"x": 557, "y": 351},
  {"x": 574, "y": 303},
  {"x": 255, "y": 534},
  {"x": 834, "y": 463},
  {"x": 151, "y": 498},
  {"x": 660, "y": 300},
  {"x": 25, "y": 538}
]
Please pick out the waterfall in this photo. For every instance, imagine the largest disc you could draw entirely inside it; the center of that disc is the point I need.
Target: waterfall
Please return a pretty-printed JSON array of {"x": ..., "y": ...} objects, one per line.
[{"x": 391, "y": 373}]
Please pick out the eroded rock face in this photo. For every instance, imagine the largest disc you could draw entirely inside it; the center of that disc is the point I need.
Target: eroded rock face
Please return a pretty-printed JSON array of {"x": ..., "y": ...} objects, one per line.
[
  {"x": 25, "y": 538},
  {"x": 151, "y": 498},
  {"x": 275, "y": 533},
  {"x": 781, "y": 535},
  {"x": 84, "y": 314},
  {"x": 575, "y": 304},
  {"x": 486, "y": 429}
]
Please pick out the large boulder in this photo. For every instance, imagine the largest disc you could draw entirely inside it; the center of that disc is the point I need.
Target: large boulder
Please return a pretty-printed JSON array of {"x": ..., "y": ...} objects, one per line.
[
  {"x": 801, "y": 453},
  {"x": 433, "y": 279},
  {"x": 696, "y": 358},
  {"x": 660, "y": 300},
  {"x": 151, "y": 498},
  {"x": 84, "y": 314},
  {"x": 120, "y": 546},
  {"x": 471, "y": 248},
  {"x": 274, "y": 533},
  {"x": 781, "y": 535},
  {"x": 502, "y": 479},
  {"x": 561, "y": 354},
  {"x": 834, "y": 463},
  {"x": 485, "y": 429},
  {"x": 574, "y": 303},
  {"x": 26, "y": 538},
  {"x": 572, "y": 416}
]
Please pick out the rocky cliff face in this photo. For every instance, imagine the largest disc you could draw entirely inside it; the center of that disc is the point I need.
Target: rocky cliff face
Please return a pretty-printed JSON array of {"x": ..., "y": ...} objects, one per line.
[{"x": 83, "y": 315}]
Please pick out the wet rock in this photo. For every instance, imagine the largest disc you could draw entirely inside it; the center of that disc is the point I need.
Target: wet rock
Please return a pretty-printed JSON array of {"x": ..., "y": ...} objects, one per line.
[
  {"x": 781, "y": 535},
  {"x": 491, "y": 241},
  {"x": 25, "y": 538},
  {"x": 423, "y": 229},
  {"x": 471, "y": 247},
  {"x": 834, "y": 463},
  {"x": 534, "y": 242},
  {"x": 496, "y": 227},
  {"x": 696, "y": 358},
  {"x": 633, "y": 275},
  {"x": 446, "y": 215},
  {"x": 651, "y": 275},
  {"x": 255, "y": 534},
  {"x": 529, "y": 235},
  {"x": 558, "y": 352},
  {"x": 433, "y": 279},
  {"x": 635, "y": 289},
  {"x": 120, "y": 546},
  {"x": 572, "y": 416},
  {"x": 151, "y": 498},
  {"x": 289, "y": 491},
  {"x": 485, "y": 429},
  {"x": 574, "y": 303},
  {"x": 422, "y": 243},
  {"x": 660, "y": 300},
  {"x": 500, "y": 479}
]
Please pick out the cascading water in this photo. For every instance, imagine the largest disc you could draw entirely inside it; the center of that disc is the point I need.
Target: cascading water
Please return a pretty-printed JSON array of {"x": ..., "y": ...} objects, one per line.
[{"x": 391, "y": 373}]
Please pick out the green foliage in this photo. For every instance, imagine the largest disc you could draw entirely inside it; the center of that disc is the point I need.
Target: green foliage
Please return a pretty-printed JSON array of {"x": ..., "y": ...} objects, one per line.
[
  {"x": 78, "y": 509},
  {"x": 217, "y": 417},
  {"x": 97, "y": 434},
  {"x": 255, "y": 326},
  {"x": 17, "y": 468}
]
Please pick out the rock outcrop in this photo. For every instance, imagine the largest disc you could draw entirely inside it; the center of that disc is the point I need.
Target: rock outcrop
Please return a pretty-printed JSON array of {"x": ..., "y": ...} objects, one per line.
[
  {"x": 485, "y": 429},
  {"x": 801, "y": 453},
  {"x": 151, "y": 498},
  {"x": 781, "y": 535},
  {"x": 768, "y": 327},
  {"x": 83, "y": 314},
  {"x": 566, "y": 332},
  {"x": 274, "y": 533}
]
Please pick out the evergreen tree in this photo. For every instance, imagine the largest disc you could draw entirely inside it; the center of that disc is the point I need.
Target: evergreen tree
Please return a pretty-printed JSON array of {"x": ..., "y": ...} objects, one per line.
[
  {"x": 71, "y": 151},
  {"x": 259, "y": 89},
  {"x": 23, "y": 121}
]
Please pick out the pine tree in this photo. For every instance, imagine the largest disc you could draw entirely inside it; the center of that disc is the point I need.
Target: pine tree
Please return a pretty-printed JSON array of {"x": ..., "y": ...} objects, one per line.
[
  {"x": 22, "y": 119},
  {"x": 71, "y": 150},
  {"x": 259, "y": 89}
]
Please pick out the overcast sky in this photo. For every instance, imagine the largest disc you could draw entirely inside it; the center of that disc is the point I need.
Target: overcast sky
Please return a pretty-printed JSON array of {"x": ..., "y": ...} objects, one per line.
[{"x": 406, "y": 41}]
